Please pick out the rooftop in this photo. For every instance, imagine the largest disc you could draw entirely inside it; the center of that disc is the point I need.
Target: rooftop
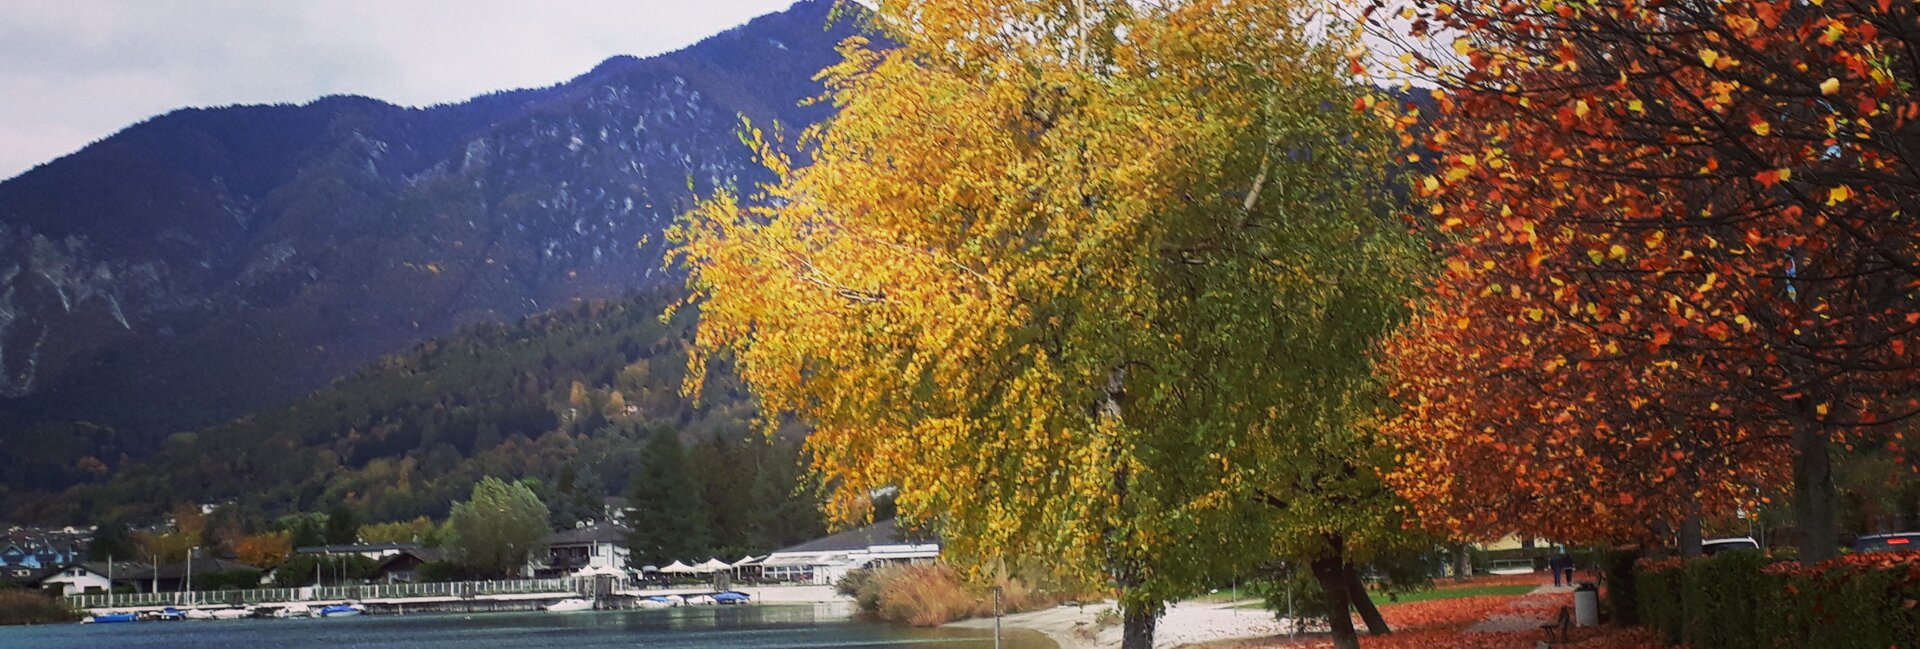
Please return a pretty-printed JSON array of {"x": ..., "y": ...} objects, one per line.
[
  {"x": 881, "y": 533},
  {"x": 588, "y": 535}
]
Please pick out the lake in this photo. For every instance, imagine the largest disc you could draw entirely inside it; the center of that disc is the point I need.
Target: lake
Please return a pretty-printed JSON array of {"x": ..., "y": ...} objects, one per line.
[{"x": 731, "y": 627}]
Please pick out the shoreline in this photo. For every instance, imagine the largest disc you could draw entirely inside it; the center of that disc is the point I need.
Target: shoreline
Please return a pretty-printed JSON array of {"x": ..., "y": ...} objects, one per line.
[
  {"x": 1185, "y": 624},
  {"x": 772, "y": 596}
]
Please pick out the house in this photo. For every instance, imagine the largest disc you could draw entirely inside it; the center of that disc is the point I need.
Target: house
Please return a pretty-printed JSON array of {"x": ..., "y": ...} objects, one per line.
[
  {"x": 599, "y": 546},
  {"x": 37, "y": 555},
  {"x": 374, "y": 551},
  {"x": 88, "y": 576},
  {"x": 614, "y": 509},
  {"x": 172, "y": 577},
  {"x": 404, "y": 566},
  {"x": 827, "y": 560}
]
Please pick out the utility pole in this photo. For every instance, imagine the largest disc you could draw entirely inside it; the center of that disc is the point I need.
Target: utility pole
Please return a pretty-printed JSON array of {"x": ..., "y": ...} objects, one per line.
[{"x": 188, "y": 584}]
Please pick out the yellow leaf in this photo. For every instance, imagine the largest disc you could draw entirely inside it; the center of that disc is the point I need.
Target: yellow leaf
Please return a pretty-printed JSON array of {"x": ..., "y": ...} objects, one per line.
[
  {"x": 1830, "y": 87},
  {"x": 1580, "y": 108},
  {"x": 1839, "y": 195},
  {"x": 1637, "y": 106},
  {"x": 1617, "y": 251},
  {"x": 1462, "y": 46},
  {"x": 1761, "y": 128},
  {"x": 1431, "y": 183},
  {"x": 1822, "y": 409},
  {"x": 1709, "y": 57}
]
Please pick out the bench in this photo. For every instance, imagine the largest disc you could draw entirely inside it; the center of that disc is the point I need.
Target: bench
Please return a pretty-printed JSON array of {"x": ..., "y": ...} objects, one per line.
[{"x": 1560, "y": 629}]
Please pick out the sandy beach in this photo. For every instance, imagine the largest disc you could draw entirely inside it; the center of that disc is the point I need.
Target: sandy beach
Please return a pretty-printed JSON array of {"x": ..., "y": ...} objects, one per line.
[{"x": 1187, "y": 623}]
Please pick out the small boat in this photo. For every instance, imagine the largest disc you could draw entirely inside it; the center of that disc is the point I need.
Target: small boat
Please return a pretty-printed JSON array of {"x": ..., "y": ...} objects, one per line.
[
  {"x": 571, "y": 604},
  {"x": 731, "y": 597},
  {"x": 655, "y": 601},
  {"x": 342, "y": 610},
  {"x": 199, "y": 614},
  {"x": 232, "y": 613},
  {"x": 292, "y": 610},
  {"x": 700, "y": 600},
  {"x": 111, "y": 618},
  {"x": 170, "y": 614}
]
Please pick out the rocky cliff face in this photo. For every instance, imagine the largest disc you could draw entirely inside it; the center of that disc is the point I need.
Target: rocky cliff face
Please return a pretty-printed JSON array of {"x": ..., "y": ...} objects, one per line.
[{"x": 210, "y": 262}]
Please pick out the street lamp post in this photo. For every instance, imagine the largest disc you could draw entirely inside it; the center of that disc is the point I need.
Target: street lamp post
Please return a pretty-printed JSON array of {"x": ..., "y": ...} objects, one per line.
[{"x": 996, "y": 617}]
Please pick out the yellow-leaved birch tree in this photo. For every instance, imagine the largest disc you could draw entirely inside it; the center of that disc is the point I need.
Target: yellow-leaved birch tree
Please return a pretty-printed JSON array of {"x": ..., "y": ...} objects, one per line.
[{"x": 1090, "y": 280}]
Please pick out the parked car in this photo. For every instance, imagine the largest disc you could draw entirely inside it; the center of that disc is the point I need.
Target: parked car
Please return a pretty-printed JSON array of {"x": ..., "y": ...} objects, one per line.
[
  {"x": 1900, "y": 542},
  {"x": 1712, "y": 547}
]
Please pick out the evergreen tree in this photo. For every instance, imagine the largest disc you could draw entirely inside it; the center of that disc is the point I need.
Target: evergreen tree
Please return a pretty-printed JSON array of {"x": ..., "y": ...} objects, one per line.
[
  {"x": 305, "y": 530},
  {"x": 667, "y": 516},
  {"x": 342, "y": 527},
  {"x": 725, "y": 475},
  {"x": 112, "y": 540}
]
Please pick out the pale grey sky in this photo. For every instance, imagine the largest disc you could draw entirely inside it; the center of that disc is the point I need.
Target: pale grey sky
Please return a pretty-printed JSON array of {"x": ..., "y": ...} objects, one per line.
[{"x": 75, "y": 71}]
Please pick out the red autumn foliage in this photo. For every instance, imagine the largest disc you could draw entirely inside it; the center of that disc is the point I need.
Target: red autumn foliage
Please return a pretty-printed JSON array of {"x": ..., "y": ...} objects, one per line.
[{"x": 1680, "y": 259}]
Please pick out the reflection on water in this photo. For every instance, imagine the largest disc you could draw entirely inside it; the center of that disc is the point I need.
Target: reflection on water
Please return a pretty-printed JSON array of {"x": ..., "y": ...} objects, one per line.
[{"x": 729, "y": 627}]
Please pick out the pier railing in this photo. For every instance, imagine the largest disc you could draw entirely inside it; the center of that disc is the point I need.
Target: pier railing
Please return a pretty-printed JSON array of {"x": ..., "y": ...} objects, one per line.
[{"x": 251, "y": 596}]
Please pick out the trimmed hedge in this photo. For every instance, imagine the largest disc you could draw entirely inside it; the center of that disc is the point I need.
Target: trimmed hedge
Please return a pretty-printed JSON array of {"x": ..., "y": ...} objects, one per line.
[{"x": 1748, "y": 600}]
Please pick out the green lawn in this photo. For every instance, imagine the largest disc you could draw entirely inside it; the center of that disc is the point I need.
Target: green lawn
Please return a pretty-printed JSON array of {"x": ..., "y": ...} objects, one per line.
[{"x": 1452, "y": 593}]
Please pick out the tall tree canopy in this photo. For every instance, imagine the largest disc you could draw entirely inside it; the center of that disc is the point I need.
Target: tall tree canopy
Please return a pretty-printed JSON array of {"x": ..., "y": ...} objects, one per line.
[
  {"x": 1094, "y": 280},
  {"x": 499, "y": 528},
  {"x": 668, "y": 518},
  {"x": 1682, "y": 239}
]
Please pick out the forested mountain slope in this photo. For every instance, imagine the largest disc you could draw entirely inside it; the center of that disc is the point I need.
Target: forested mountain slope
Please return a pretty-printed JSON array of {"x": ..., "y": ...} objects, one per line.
[{"x": 208, "y": 263}]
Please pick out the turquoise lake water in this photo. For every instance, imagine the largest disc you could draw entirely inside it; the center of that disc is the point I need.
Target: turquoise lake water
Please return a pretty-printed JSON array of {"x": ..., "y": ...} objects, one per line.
[{"x": 744, "y": 627}]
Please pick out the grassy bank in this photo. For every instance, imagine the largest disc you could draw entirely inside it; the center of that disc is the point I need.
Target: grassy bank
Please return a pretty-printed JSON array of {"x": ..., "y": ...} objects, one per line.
[
  {"x": 23, "y": 607},
  {"x": 935, "y": 594}
]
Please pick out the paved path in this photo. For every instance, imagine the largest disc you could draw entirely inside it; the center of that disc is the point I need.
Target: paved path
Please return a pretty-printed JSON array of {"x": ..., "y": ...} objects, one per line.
[{"x": 1513, "y": 618}]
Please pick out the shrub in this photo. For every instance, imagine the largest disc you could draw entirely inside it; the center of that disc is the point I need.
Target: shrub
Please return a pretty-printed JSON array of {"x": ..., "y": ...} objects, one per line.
[
  {"x": 1749, "y": 600},
  {"x": 935, "y": 594},
  {"x": 25, "y": 607},
  {"x": 229, "y": 580}
]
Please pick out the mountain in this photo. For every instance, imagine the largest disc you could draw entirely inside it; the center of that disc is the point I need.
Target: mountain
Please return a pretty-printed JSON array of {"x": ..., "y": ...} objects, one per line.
[
  {"x": 568, "y": 397},
  {"x": 208, "y": 263}
]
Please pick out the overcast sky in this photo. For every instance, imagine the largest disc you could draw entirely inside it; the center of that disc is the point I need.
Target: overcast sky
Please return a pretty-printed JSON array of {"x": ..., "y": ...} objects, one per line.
[{"x": 75, "y": 71}]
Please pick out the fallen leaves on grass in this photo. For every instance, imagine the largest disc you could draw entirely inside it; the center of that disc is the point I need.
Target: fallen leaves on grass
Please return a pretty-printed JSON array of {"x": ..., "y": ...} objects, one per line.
[{"x": 1443, "y": 612}]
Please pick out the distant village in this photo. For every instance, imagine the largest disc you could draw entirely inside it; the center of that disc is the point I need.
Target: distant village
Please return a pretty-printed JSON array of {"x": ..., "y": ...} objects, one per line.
[{"x": 67, "y": 562}]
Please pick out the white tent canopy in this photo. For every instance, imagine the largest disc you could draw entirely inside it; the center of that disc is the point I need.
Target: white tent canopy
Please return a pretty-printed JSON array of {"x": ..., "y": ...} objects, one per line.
[
  {"x": 594, "y": 571},
  {"x": 745, "y": 561},
  {"x": 678, "y": 568},
  {"x": 712, "y": 565}
]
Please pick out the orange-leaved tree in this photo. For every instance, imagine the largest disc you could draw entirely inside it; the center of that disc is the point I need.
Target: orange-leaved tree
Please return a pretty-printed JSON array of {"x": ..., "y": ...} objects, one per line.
[
  {"x": 1093, "y": 281},
  {"x": 1701, "y": 210},
  {"x": 264, "y": 550}
]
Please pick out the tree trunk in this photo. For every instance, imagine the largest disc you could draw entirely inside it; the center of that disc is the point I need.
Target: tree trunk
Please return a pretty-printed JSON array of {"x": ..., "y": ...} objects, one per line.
[
  {"x": 1136, "y": 627},
  {"x": 1463, "y": 568},
  {"x": 1331, "y": 571},
  {"x": 1690, "y": 532},
  {"x": 1356, "y": 591},
  {"x": 1813, "y": 496}
]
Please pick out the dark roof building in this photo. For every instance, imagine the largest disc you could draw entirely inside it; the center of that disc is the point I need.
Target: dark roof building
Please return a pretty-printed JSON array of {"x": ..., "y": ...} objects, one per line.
[{"x": 173, "y": 576}]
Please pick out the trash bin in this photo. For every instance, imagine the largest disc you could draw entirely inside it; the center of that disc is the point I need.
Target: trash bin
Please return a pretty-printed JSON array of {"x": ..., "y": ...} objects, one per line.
[{"x": 1586, "y": 604}]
